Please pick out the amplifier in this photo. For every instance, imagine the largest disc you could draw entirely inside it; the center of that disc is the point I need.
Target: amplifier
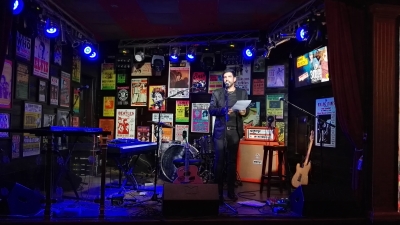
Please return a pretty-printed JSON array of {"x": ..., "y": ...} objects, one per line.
[{"x": 261, "y": 134}]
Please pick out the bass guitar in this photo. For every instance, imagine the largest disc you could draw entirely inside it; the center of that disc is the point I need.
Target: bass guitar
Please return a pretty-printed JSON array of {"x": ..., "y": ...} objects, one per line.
[
  {"x": 187, "y": 174},
  {"x": 301, "y": 175}
]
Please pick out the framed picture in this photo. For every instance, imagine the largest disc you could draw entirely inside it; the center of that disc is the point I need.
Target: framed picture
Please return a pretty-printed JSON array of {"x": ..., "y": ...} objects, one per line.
[
  {"x": 22, "y": 82},
  {"x": 43, "y": 91},
  {"x": 4, "y": 124}
]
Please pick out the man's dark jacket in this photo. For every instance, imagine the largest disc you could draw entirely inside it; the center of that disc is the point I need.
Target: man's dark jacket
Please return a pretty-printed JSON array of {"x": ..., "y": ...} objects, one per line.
[{"x": 216, "y": 109}]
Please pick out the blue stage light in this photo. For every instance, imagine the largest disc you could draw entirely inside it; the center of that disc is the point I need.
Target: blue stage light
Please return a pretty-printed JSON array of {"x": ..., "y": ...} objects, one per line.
[
  {"x": 87, "y": 50},
  {"x": 302, "y": 33},
  {"x": 51, "y": 30},
  {"x": 93, "y": 55},
  {"x": 248, "y": 53},
  {"x": 18, "y": 6}
]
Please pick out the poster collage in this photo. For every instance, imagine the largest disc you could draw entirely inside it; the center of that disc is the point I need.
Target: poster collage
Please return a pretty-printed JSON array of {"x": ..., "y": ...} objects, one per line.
[
  {"x": 33, "y": 58},
  {"x": 122, "y": 111}
]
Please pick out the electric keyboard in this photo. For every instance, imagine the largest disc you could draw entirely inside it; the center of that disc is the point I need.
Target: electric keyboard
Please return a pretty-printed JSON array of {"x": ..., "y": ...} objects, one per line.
[{"x": 130, "y": 147}]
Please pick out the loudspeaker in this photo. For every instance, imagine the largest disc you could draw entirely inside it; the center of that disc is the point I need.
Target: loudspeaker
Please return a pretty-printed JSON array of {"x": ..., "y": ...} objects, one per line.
[
  {"x": 324, "y": 200},
  {"x": 19, "y": 200},
  {"x": 190, "y": 200}
]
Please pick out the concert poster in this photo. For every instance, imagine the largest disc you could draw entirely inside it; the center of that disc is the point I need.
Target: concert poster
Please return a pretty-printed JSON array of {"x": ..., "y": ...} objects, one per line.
[
  {"x": 253, "y": 118},
  {"x": 65, "y": 89},
  {"x": 215, "y": 81},
  {"x": 107, "y": 125},
  {"x": 143, "y": 133},
  {"x": 75, "y": 121},
  {"x": 123, "y": 96},
  {"x": 259, "y": 65},
  {"x": 57, "y": 54},
  {"x": 139, "y": 92},
  {"x": 157, "y": 93},
  {"x": 141, "y": 69},
  {"x": 23, "y": 46},
  {"x": 178, "y": 79},
  {"x": 200, "y": 118},
  {"x": 48, "y": 120},
  {"x": 41, "y": 57},
  {"x": 325, "y": 109},
  {"x": 22, "y": 81},
  {"x": 16, "y": 146},
  {"x": 182, "y": 111},
  {"x": 32, "y": 120},
  {"x": 63, "y": 121},
  {"x": 108, "y": 77},
  {"x": 166, "y": 133},
  {"x": 108, "y": 106},
  {"x": 6, "y": 85},
  {"x": 54, "y": 89},
  {"x": 276, "y": 76},
  {"x": 76, "y": 67},
  {"x": 77, "y": 100},
  {"x": 121, "y": 77},
  {"x": 258, "y": 87},
  {"x": 42, "y": 91},
  {"x": 179, "y": 128},
  {"x": 274, "y": 106},
  {"x": 243, "y": 78},
  {"x": 4, "y": 124},
  {"x": 125, "y": 123},
  {"x": 281, "y": 131},
  {"x": 199, "y": 82}
]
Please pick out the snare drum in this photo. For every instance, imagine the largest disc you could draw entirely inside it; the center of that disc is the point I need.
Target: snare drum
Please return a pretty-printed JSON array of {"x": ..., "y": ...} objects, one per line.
[{"x": 175, "y": 152}]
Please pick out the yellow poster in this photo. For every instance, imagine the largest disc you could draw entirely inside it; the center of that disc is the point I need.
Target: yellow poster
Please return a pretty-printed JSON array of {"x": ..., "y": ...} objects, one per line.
[
  {"x": 281, "y": 129},
  {"x": 182, "y": 111},
  {"x": 77, "y": 100},
  {"x": 32, "y": 120},
  {"x": 108, "y": 106},
  {"x": 76, "y": 67},
  {"x": 108, "y": 77},
  {"x": 274, "y": 106}
]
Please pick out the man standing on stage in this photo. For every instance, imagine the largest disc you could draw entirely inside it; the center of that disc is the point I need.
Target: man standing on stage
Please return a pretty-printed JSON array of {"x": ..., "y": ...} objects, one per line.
[{"x": 228, "y": 130}]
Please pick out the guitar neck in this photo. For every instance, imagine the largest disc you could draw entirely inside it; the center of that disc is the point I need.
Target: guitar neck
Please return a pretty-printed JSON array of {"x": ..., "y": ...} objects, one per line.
[{"x": 308, "y": 152}]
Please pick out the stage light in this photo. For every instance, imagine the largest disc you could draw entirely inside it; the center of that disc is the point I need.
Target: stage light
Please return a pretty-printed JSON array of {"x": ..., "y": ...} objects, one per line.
[
  {"x": 249, "y": 52},
  {"x": 139, "y": 56},
  {"x": 158, "y": 63},
  {"x": 87, "y": 48},
  {"x": 94, "y": 55},
  {"x": 51, "y": 30},
  {"x": 191, "y": 54},
  {"x": 18, "y": 6},
  {"x": 302, "y": 33},
  {"x": 174, "y": 54}
]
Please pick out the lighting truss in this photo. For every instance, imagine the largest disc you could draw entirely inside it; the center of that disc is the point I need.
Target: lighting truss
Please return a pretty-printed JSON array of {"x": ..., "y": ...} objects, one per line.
[{"x": 206, "y": 39}]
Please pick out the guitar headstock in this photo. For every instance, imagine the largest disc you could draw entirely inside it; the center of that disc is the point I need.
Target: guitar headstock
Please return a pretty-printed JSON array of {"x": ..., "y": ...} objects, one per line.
[{"x": 311, "y": 136}]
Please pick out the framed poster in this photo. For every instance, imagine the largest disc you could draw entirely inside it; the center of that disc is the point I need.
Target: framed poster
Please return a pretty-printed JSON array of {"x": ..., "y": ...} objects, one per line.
[
  {"x": 54, "y": 90},
  {"x": 4, "y": 124},
  {"x": 42, "y": 93},
  {"x": 276, "y": 76},
  {"x": 179, "y": 79},
  {"x": 125, "y": 123},
  {"x": 157, "y": 93},
  {"x": 6, "y": 84},
  {"x": 200, "y": 122},
  {"x": 22, "y": 81},
  {"x": 32, "y": 120},
  {"x": 325, "y": 109},
  {"x": 65, "y": 89}
]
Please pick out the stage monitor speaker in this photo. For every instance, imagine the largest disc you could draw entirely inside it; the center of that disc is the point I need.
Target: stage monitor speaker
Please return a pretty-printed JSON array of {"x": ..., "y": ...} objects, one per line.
[
  {"x": 190, "y": 200},
  {"x": 19, "y": 200},
  {"x": 320, "y": 200}
]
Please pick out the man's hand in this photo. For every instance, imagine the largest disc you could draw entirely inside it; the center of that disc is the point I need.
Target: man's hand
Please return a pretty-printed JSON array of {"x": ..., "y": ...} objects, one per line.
[
  {"x": 230, "y": 111},
  {"x": 242, "y": 112}
]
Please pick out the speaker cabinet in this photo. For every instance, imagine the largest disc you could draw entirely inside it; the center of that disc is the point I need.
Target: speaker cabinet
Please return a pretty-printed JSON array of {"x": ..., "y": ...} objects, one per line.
[
  {"x": 19, "y": 200},
  {"x": 190, "y": 200},
  {"x": 324, "y": 201}
]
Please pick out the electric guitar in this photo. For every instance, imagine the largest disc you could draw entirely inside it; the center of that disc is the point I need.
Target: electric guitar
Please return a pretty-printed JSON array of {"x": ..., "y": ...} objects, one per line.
[
  {"x": 301, "y": 175},
  {"x": 187, "y": 174}
]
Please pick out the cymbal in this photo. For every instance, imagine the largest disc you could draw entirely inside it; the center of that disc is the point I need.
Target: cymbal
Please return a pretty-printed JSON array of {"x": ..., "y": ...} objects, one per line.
[{"x": 162, "y": 124}]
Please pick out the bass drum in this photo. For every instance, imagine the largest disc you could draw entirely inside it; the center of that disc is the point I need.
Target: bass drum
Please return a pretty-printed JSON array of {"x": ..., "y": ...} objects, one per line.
[{"x": 172, "y": 153}]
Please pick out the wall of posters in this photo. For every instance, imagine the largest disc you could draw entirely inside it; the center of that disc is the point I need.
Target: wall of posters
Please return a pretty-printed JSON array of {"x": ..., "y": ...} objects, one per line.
[
  {"x": 179, "y": 128},
  {"x": 200, "y": 118},
  {"x": 178, "y": 79},
  {"x": 123, "y": 96},
  {"x": 199, "y": 81},
  {"x": 108, "y": 77},
  {"x": 325, "y": 109},
  {"x": 125, "y": 123},
  {"x": 23, "y": 46},
  {"x": 139, "y": 92},
  {"x": 22, "y": 81},
  {"x": 107, "y": 125},
  {"x": 182, "y": 111},
  {"x": 32, "y": 119},
  {"x": 76, "y": 67},
  {"x": 54, "y": 89},
  {"x": 258, "y": 87},
  {"x": 4, "y": 124},
  {"x": 140, "y": 69},
  {"x": 108, "y": 106},
  {"x": 276, "y": 76},
  {"x": 274, "y": 106},
  {"x": 157, "y": 93},
  {"x": 215, "y": 81},
  {"x": 143, "y": 133},
  {"x": 77, "y": 100},
  {"x": 6, "y": 85},
  {"x": 41, "y": 64},
  {"x": 65, "y": 89},
  {"x": 166, "y": 133}
]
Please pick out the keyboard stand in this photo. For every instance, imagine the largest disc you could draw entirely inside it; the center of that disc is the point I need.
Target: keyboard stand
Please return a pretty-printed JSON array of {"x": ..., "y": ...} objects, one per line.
[{"x": 126, "y": 167}]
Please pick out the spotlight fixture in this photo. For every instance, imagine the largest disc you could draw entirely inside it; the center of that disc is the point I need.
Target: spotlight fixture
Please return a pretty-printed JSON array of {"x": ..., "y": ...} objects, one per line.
[
  {"x": 93, "y": 55},
  {"x": 249, "y": 52},
  {"x": 158, "y": 63},
  {"x": 191, "y": 54},
  {"x": 18, "y": 6},
  {"x": 302, "y": 33},
  {"x": 51, "y": 29},
  {"x": 174, "y": 54},
  {"x": 139, "y": 56},
  {"x": 87, "y": 48}
]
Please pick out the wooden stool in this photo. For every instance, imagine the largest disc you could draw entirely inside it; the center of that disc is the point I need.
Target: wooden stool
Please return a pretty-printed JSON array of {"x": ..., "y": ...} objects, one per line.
[{"x": 282, "y": 158}]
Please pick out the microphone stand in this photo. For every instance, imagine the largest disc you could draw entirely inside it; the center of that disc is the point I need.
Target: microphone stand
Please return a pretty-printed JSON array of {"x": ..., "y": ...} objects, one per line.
[{"x": 319, "y": 133}]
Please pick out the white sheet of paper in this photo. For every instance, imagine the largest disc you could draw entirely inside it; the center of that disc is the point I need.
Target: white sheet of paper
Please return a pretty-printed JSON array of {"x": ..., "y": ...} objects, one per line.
[{"x": 241, "y": 105}]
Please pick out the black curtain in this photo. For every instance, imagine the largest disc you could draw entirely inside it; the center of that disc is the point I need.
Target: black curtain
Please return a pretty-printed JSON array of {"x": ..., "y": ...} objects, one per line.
[{"x": 6, "y": 17}]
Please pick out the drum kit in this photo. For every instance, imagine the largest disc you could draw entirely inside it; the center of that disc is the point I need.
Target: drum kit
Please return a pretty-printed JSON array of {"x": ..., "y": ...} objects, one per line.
[{"x": 201, "y": 153}]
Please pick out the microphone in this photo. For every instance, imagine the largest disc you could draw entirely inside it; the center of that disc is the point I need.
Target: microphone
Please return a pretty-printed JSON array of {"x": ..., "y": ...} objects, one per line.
[
  {"x": 281, "y": 99},
  {"x": 83, "y": 87},
  {"x": 199, "y": 85}
]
